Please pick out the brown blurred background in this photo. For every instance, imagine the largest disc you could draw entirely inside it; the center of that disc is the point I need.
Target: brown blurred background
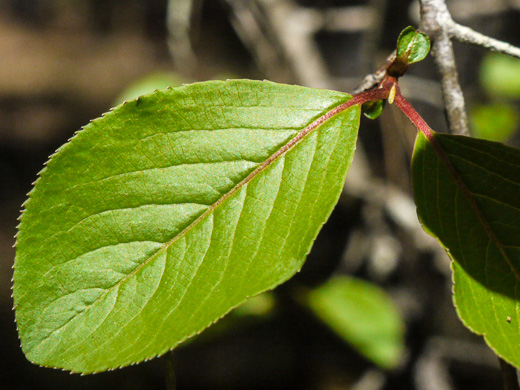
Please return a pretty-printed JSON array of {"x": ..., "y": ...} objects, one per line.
[{"x": 65, "y": 62}]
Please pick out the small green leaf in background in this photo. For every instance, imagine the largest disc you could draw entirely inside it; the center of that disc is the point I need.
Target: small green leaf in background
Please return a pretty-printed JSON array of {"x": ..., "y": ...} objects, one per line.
[
  {"x": 373, "y": 109},
  {"x": 498, "y": 120},
  {"x": 494, "y": 122},
  {"x": 258, "y": 306},
  {"x": 363, "y": 315},
  {"x": 499, "y": 75},
  {"x": 158, "y": 80},
  {"x": 252, "y": 311},
  {"x": 160, "y": 217},
  {"x": 412, "y": 45},
  {"x": 476, "y": 217}
]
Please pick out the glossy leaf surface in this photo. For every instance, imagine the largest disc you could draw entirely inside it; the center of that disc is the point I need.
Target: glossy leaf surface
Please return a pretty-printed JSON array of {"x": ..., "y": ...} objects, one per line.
[
  {"x": 363, "y": 315},
  {"x": 476, "y": 217},
  {"x": 412, "y": 45},
  {"x": 157, "y": 219}
]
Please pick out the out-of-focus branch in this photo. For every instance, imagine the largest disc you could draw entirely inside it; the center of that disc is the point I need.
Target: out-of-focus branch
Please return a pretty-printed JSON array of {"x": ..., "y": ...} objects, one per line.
[
  {"x": 282, "y": 33},
  {"x": 372, "y": 80},
  {"x": 254, "y": 30},
  {"x": 294, "y": 26},
  {"x": 178, "y": 22},
  {"x": 279, "y": 34},
  {"x": 465, "y": 10},
  {"x": 436, "y": 22},
  {"x": 373, "y": 34},
  {"x": 467, "y": 35}
]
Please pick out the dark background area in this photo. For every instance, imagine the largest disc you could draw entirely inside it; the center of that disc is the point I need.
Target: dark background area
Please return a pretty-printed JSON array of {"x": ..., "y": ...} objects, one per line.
[{"x": 63, "y": 63}]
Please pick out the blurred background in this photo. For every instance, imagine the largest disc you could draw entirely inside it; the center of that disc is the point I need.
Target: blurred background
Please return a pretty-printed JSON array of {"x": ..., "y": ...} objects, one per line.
[{"x": 372, "y": 307}]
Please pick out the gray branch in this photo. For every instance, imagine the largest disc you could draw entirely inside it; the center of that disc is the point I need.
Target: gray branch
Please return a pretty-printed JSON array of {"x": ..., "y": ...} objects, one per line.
[
  {"x": 372, "y": 80},
  {"x": 436, "y": 22},
  {"x": 467, "y": 35},
  {"x": 178, "y": 21}
]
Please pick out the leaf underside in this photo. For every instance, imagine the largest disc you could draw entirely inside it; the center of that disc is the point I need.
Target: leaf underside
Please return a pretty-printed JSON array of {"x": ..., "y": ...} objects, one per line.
[
  {"x": 169, "y": 211},
  {"x": 479, "y": 225}
]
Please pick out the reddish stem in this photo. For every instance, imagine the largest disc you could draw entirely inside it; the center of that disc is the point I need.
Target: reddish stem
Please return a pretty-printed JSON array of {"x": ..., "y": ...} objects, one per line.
[
  {"x": 423, "y": 127},
  {"x": 383, "y": 92},
  {"x": 364, "y": 97},
  {"x": 413, "y": 115}
]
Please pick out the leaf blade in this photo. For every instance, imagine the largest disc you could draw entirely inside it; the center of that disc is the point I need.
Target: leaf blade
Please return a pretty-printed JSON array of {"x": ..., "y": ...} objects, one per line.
[
  {"x": 197, "y": 184},
  {"x": 479, "y": 225}
]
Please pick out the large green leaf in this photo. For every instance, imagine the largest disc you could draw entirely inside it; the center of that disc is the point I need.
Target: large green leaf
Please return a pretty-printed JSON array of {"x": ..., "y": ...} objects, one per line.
[
  {"x": 157, "y": 219},
  {"x": 363, "y": 315},
  {"x": 475, "y": 213}
]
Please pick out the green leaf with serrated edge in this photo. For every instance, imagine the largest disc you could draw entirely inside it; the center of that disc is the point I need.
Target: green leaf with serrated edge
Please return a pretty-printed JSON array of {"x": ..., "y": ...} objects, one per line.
[
  {"x": 363, "y": 315},
  {"x": 160, "y": 217},
  {"x": 412, "y": 45},
  {"x": 373, "y": 109},
  {"x": 476, "y": 217}
]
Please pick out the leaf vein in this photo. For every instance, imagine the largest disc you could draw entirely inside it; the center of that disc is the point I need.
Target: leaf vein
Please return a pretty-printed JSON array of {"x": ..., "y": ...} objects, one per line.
[{"x": 458, "y": 157}]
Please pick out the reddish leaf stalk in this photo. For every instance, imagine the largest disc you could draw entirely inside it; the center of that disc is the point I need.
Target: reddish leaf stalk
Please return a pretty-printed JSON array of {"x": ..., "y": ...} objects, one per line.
[
  {"x": 364, "y": 97},
  {"x": 414, "y": 116}
]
